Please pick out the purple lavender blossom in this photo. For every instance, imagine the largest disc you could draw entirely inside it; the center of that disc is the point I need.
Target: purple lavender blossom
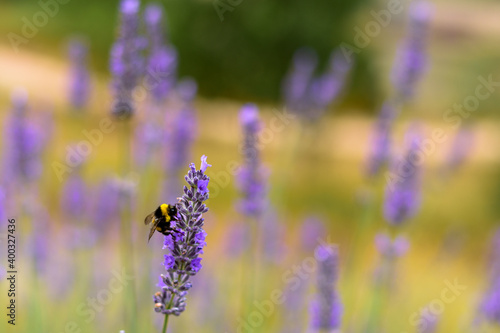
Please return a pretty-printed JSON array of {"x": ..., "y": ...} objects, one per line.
[
  {"x": 297, "y": 82},
  {"x": 326, "y": 308},
  {"x": 238, "y": 239},
  {"x": 185, "y": 245},
  {"x": 311, "y": 231},
  {"x": 428, "y": 322},
  {"x": 411, "y": 60},
  {"x": 326, "y": 88},
  {"x": 252, "y": 175},
  {"x": 105, "y": 207},
  {"x": 74, "y": 196},
  {"x": 381, "y": 141},
  {"x": 390, "y": 250},
  {"x": 162, "y": 61},
  {"x": 310, "y": 96},
  {"x": 126, "y": 60},
  {"x": 80, "y": 78},
  {"x": 403, "y": 193},
  {"x": 23, "y": 143},
  {"x": 489, "y": 308},
  {"x": 180, "y": 136}
]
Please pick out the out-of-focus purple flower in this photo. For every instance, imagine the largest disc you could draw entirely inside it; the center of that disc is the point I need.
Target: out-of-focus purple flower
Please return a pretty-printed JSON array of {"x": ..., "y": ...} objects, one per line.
[
  {"x": 411, "y": 60},
  {"x": 74, "y": 197},
  {"x": 80, "y": 78},
  {"x": 326, "y": 88},
  {"x": 238, "y": 239},
  {"x": 460, "y": 149},
  {"x": 380, "y": 146},
  {"x": 179, "y": 137},
  {"x": 183, "y": 261},
  {"x": 326, "y": 308},
  {"x": 310, "y": 96},
  {"x": 162, "y": 62},
  {"x": 105, "y": 207},
  {"x": 311, "y": 231},
  {"x": 428, "y": 322},
  {"x": 148, "y": 138},
  {"x": 273, "y": 237},
  {"x": 23, "y": 143},
  {"x": 127, "y": 64},
  {"x": 297, "y": 82},
  {"x": 252, "y": 175},
  {"x": 403, "y": 193},
  {"x": 489, "y": 308},
  {"x": 389, "y": 248}
]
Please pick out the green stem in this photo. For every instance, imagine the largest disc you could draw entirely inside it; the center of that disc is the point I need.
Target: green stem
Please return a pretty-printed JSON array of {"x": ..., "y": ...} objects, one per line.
[{"x": 165, "y": 322}]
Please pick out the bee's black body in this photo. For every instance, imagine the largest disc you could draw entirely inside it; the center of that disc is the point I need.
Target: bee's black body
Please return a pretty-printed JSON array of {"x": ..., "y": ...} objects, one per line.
[{"x": 161, "y": 219}]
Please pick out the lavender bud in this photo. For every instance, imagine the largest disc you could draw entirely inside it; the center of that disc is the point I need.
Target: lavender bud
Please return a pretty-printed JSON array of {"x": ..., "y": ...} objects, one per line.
[
  {"x": 80, "y": 77},
  {"x": 326, "y": 308},
  {"x": 403, "y": 193}
]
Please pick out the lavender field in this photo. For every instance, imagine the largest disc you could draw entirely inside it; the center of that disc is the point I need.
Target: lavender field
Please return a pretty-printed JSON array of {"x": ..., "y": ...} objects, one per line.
[{"x": 236, "y": 167}]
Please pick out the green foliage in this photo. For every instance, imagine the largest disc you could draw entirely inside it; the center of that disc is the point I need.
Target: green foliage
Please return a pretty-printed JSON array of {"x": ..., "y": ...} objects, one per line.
[{"x": 244, "y": 56}]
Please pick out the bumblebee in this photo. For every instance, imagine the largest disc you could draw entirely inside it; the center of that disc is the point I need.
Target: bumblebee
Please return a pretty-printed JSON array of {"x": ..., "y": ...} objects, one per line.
[{"x": 160, "y": 219}]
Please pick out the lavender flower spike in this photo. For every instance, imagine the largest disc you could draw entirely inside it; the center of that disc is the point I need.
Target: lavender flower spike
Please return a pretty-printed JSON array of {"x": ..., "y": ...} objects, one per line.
[
  {"x": 252, "y": 175},
  {"x": 185, "y": 245},
  {"x": 402, "y": 195},
  {"x": 326, "y": 308},
  {"x": 80, "y": 78},
  {"x": 126, "y": 61},
  {"x": 411, "y": 59},
  {"x": 162, "y": 61},
  {"x": 381, "y": 141}
]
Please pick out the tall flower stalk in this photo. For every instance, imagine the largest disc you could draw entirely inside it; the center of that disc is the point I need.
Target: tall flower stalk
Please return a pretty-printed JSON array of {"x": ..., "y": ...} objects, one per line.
[
  {"x": 411, "y": 58},
  {"x": 185, "y": 245},
  {"x": 126, "y": 61},
  {"x": 403, "y": 190},
  {"x": 251, "y": 181},
  {"x": 80, "y": 77},
  {"x": 326, "y": 308}
]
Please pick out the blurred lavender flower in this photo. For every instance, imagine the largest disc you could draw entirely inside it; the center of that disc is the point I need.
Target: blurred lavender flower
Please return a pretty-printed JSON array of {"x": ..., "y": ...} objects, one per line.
[
  {"x": 428, "y": 322},
  {"x": 80, "y": 78},
  {"x": 185, "y": 245},
  {"x": 74, "y": 196},
  {"x": 389, "y": 250},
  {"x": 238, "y": 239},
  {"x": 273, "y": 235},
  {"x": 411, "y": 61},
  {"x": 162, "y": 62},
  {"x": 126, "y": 62},
  {"x": 310, "y": 232},
  {"x": 180, "y": 136},
  {"x": 307, "y": 95},
  {"x": 252, "y": 176},
  {"x": 23, "y": 143},
  {"x": 489, "y": 308},
  {"x": 105, "y": 207},
  {"x": 381, "y": 141},
  {"x": 327, "y": 87},
  {"x": 326, "y": 308},
  {"x": 402, "y": 194},
  {"x": 296, "y": 84},
  {"x": 460, "y": 149}
]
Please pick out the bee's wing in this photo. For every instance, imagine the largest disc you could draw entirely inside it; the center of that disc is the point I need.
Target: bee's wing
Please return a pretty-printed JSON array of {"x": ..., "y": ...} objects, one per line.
[
  {"x": 153, "y": 228},
  {"x": 149, "y": 218}
]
